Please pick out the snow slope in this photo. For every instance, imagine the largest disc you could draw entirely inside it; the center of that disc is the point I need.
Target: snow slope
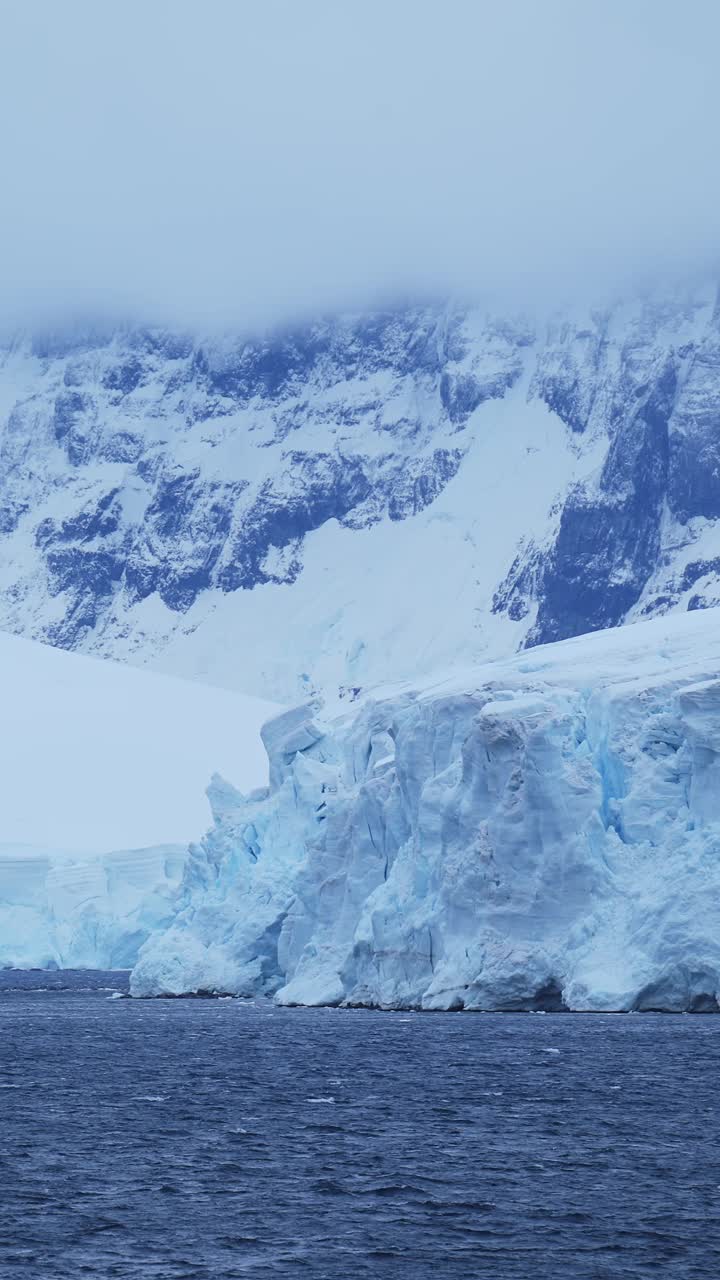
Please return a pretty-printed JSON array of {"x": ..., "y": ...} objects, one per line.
[
  {"x": 536, "y": 832},
  {"x": 362, "y": 498},
  {"x": 97, "y": 756},
  {"x": 109, "y": 764}
]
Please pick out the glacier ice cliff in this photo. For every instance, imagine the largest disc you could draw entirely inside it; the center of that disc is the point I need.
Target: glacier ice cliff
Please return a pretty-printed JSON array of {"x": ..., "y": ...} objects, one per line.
[
  {"x": 535, "y": 832},
  {"x": 62, "y": 910},
  {"x": 180, "y": 500}
]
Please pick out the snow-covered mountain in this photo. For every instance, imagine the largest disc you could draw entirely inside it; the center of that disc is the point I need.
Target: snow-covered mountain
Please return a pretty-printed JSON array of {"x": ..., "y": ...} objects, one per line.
[
  {"x": 364, "y": 498},
  {"x": 370, "y": 499},
  {"x": 538, "y": 832}
]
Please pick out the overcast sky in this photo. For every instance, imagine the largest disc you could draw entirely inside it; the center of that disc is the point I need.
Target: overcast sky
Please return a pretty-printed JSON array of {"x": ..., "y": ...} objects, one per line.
[{"x": 238, "y": 161}]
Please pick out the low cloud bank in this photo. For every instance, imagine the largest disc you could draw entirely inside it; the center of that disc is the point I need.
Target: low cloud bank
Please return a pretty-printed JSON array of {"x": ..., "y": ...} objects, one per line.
[{"x": 238, "y": 165}]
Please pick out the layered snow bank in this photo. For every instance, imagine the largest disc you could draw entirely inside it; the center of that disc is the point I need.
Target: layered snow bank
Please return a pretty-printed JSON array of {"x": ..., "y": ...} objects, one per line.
[
  {"x": 69, "y": 911},
  {"x": 541, "y": 832}
]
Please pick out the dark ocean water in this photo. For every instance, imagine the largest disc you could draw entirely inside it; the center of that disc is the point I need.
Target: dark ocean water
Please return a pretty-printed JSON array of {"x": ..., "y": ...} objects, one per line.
[{"x": 207, "y": 1140}]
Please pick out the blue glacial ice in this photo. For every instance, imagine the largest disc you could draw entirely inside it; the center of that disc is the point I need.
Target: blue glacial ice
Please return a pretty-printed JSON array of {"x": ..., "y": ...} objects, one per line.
[
  {"x": 537, "y": 832},
  {"x": 65, "y": 910}
]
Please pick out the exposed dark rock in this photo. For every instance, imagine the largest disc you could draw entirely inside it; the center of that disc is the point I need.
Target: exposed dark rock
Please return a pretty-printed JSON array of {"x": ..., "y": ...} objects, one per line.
[
  {"x": 124, "y": 376},
  {"x": 694, "y": 474}
]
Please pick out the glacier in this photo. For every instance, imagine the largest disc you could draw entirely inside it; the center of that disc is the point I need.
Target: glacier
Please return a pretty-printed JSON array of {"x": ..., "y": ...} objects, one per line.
[
  {"x": 184, "y": 501},
  {"x": 69, "y": 910},
  {"x": 535, "y": 832},
  {"x": 102, "y": 776}
]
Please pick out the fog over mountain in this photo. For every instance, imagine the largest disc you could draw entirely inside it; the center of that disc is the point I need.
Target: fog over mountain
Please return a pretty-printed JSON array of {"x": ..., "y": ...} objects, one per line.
[{"x": 235, "y": 165}]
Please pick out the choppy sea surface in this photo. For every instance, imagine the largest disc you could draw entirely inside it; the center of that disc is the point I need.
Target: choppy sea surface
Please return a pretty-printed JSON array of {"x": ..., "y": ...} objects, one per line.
[{"x": 194, "y": 1139}]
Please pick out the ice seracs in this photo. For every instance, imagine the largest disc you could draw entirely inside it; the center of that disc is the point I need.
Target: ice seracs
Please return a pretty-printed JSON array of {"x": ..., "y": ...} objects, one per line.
[{"x": 538, "y": 832}]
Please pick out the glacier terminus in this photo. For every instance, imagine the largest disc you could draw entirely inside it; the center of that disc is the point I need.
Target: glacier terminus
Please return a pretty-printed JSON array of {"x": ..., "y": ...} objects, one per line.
[{"x": 540, "y": 832}]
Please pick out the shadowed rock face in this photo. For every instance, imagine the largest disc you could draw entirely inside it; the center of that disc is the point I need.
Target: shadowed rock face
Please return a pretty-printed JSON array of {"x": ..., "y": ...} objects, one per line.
[
  {"x": 694, "y": 438},
  {"x": 150, "y": 471},
  {"x": 656, "y": 399},
  {"x": 608, "y": 542}
]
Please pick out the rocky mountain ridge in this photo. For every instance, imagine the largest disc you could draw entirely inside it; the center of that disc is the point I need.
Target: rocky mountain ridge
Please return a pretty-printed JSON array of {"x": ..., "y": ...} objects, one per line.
[{"x": 364, "y": 497}]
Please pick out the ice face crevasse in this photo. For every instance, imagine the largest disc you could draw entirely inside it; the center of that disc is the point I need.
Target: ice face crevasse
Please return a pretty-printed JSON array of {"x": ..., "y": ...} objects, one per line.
[
  {"x": 537, "y": 832},
  {"x": 174, "y": 499}
]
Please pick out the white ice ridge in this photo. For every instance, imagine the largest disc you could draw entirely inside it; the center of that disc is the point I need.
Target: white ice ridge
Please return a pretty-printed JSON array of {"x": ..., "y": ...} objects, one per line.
[
  {"x": 537, "y": 832},
  {"x": 79, "y": 911}
]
